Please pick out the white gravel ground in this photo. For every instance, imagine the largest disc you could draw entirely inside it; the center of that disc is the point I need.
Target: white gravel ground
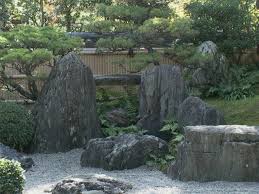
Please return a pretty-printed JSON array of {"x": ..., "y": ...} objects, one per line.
[{"x": 51, "y": 168}]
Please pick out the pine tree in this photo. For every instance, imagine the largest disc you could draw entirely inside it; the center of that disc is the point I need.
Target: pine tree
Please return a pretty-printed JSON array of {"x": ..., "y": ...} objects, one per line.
[{"x": 133, "y": 24}]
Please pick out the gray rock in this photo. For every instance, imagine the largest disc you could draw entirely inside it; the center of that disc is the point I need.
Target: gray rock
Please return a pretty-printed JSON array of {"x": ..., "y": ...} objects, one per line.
[
  {"x": 126, "y": 151},
  {"x": 208, "y": 47},
  {"x": 162, "y": 90},
  {"x": 118, "y": 117},
  {"x": 200, "y": 77},
  {"x": 193, "y": 111},
  {"x": 65, "y": 114},
  {"x": 11, "y": 154},
  {"x": 218, "y": 153},
  {"x": 214, "y": 70},
  {"x": 91, "y": 185}
]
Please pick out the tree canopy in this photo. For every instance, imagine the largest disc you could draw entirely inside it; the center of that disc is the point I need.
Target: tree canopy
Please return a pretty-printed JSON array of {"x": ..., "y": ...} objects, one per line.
[{"x": 25, "y": 48}]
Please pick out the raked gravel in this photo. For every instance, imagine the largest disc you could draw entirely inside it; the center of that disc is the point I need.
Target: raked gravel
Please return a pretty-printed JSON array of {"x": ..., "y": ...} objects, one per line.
[{"x": 51, "y": 168}]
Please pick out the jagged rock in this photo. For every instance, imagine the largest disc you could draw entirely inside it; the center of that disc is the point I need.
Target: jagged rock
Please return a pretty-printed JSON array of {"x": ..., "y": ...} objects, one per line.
[
  {"x": 91, "y": 184},
  {"x": 193, "y": 111},
  {"x": 162, "y": 90},
  {"x": 213, "y": 70},
  {"x": 218, "y": 153},
  {"x": 65, "y": 113},
  {"x": 122, "y": 152},
  {"x": 11, "y": 154},
  {"x": 118, "y": 117}
]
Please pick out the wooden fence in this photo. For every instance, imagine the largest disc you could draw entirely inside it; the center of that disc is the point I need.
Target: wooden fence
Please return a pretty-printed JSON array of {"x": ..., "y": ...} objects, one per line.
[{"x": 100, "y": 64}]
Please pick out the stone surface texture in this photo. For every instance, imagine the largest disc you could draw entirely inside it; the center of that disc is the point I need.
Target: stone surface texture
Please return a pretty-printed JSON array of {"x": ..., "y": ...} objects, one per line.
[
  {"x": 91, "y": 184},
  {"x": 65, "y": 113},
  {"x": 162, "y": 90},
  {"x": 118, "y": 117},
  {"x": 213, "y": 70},
  {"x": 125, "y": 151},
  {"x": 193, "y": 111},
  {"x": 218, "y": 153}
]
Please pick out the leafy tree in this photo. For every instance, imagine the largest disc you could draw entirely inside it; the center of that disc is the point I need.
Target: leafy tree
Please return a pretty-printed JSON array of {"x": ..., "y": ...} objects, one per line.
[
  {"x": 4, "y": 13},
  {"x": 32, "y": 11},
  {"x": 132, "y": 23},
  {"x": 233, "y": 25},
  {"x": 69, "y": 11},
  {"x": 25, "y": 48}
]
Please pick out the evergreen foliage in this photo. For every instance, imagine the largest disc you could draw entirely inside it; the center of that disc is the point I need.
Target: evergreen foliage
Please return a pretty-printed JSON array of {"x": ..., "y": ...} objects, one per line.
[{"x": 26, "y": 48}]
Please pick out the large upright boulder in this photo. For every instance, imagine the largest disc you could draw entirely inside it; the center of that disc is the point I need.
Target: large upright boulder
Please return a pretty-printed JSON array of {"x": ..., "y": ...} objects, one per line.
[
  {"x": 193, "y": 111},
  {"x": 218, "y": 153},
  {"x": 162, "y": 90},
  {"x": 65, "y": 113}
]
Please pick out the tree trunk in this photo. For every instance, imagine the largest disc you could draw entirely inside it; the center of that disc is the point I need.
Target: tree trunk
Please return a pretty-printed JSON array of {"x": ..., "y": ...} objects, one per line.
[
  {"x": 42, "y": 12},
  {"x": 68, "y": 19}
]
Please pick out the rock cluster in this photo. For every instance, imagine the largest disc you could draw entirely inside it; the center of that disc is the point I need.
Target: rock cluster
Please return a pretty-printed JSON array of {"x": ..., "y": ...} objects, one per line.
[{"x": 163, "y": 96}]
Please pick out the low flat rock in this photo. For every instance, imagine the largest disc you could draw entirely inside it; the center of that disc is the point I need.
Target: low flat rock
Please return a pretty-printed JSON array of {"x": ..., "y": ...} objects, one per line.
[
  {"x": 11, "y": 154},
  {"x": 218, "y": 153},
  {"x": 91, "y": 184},
  {"x": 126, "y": 151}
]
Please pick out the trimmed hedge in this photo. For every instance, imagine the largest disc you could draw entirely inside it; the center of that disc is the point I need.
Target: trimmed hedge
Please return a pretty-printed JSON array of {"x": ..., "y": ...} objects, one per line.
[
  {"x": 11, "y": 177},
  {"x": 16, "y": 128}
]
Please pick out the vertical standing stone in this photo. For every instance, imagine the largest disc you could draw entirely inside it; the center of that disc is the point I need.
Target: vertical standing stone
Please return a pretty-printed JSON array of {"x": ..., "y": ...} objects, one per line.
[
  {"x": 65, "y": 113},
  {"x": 162, "y": 90}
]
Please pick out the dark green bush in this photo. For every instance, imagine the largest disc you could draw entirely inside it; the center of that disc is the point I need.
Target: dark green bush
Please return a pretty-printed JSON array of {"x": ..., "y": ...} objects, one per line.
[
  {"x": 11, "y": 177},
  {"x": 16, "y": 129},
  {"x": 240, "y": 84}
]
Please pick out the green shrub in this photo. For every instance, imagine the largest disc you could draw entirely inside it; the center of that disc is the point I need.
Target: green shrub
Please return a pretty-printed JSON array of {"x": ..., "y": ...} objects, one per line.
[
  {"x": 114, "y": 131},
  {"x": 108, "y": 100},
  {"x": 162, "y": 162},
  {"x": 11, "y": 177},
  {"x": 16, "y": 129},
  {"x": 240, "y": 84}
]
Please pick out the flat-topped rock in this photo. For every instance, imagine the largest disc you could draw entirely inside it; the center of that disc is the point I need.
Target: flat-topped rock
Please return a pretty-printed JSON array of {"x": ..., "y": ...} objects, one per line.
[{"x": 218, "y": 153}]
